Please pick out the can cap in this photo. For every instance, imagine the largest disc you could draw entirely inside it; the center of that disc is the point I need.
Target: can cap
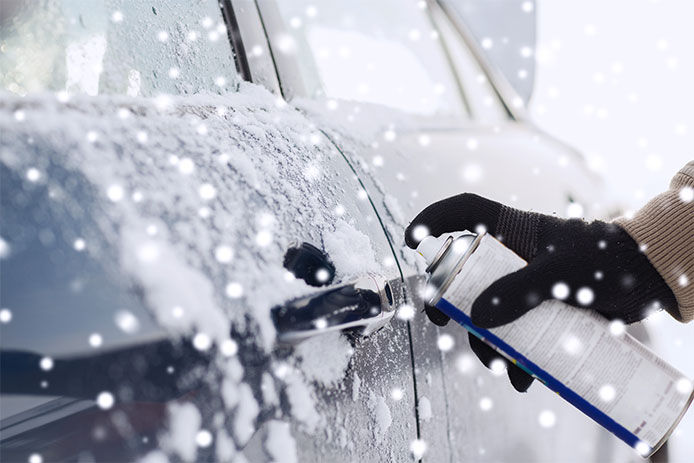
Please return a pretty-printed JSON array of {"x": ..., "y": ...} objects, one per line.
[{"x": 429, "y": 248}]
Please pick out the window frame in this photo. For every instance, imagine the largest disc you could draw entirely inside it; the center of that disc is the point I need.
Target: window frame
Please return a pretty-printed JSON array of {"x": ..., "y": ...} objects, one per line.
[{"x": 292, "y": 84}]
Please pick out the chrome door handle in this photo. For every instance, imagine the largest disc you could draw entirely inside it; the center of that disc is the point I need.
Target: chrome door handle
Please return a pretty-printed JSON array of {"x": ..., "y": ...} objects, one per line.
[{"x": 364, "y": 306}]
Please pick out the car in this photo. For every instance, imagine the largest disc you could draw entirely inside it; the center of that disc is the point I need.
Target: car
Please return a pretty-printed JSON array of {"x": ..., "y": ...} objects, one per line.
[{"x": 181, "y": 179}]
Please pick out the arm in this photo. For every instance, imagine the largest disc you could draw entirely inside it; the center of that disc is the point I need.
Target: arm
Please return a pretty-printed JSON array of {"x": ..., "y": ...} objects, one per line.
[
  {"x": 626, "y": 280},
  {"x": 664, "y": 227}
]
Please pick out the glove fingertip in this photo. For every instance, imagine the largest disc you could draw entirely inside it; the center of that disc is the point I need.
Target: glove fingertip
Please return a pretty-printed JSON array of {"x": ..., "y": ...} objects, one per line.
[
  {"x": 436, "y": 316},
  {"x": 520, "y": 380}
]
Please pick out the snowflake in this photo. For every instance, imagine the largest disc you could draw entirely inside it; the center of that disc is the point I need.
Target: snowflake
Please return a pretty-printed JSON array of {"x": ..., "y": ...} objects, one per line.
[
  {"x": 105, "y": 400},
  {"x": 33, "y": 174},
  {"x": 62, "y": 96},
  {"x": 397, "y": 394},
  {"x": 229, "y": 348},
  {"x": 311, "y": 11},
  {"x": 322, "y": 275},
  {"x": 687, "y": 194},
  {"x": 46, "y": 363},
  {"x": 295, "y": 22},
  {"x": 5, "y": 315},
  {"x": 654, "y": 162},
  {"x": 472, "y": 173},
  {"x": 406, "y": 312},
  {"x": 117, "y": 17},
  {"x": 202, "y": 342},
  {"x": 312, "y": 172},
  {"x": 574, "y": 211},
  {"x": 465, "y": 363},
  {"x": 607, "y": 393},
  {"x": 95, "y": 340},
  {"x": 642, "y": 448},
  {"x": 286, "y": 43},
  {"x": 127, "y": 322},
  {"x": 585, "y": 296},
  {"x": 203, "y": 438},
  {"x": 547, "y": 418},
  {"x": 79, "y": 244},
  {"x": 445, "y": 342},
  {"x": 684, "y": 386},
  {"x": 177, "y": 311},
  {"x": 207, "y": 191},
  {"x": 498, "y": 367},
  {"x": 223, "y": 254},
  {"x": 148, "y": 252},
  {"x": 186, "y": 166},
  {"x": 234, "y": 290},
  {"x": 162, "y": 36},
  {"x": 418, "y": 448},
  {"x": 174, "y": 73},
  {"x": 263, "y": 238},
  {"x": 389, "y": 135},
  {"x": 617, "y": 328},
  {"x": 560, "y": 291},
  {"x": 486, "y": 404}
]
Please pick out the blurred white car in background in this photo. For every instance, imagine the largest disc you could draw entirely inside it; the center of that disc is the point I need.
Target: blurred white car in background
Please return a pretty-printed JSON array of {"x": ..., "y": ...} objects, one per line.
[{"x": 173, "y": 171}]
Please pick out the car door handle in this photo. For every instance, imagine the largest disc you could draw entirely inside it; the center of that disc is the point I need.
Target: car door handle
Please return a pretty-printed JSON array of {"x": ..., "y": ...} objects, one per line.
[{"x": 362, "y": 306}]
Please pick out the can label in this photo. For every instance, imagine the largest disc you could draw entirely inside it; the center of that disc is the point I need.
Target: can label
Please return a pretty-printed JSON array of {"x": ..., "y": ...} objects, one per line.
[{"x": 606, "y": 373}]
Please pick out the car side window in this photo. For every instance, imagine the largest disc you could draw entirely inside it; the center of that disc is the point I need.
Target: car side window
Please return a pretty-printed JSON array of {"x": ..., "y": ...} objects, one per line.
[
  {"x": 485, "y": 104},
  {"x": 115, "y": 47},
  {"x": 385, "y": 53}
]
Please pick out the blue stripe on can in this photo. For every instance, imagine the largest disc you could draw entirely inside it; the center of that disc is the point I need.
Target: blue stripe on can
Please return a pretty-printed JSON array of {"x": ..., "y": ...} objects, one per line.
[{"x": 551, "y": 382}]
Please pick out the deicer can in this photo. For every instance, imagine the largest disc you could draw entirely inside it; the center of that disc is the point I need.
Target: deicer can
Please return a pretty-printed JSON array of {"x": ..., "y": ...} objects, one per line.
[{"x": 589, "y": 361}]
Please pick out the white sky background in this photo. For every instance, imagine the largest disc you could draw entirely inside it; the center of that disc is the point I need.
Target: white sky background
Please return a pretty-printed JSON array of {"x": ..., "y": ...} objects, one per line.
[{"x": 615, "y": 79}]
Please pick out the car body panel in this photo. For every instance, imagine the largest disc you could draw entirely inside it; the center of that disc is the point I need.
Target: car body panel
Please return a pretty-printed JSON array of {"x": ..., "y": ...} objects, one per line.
[
  {"x": 159, "y": 229},
  {"x": 281, "y": 175}
]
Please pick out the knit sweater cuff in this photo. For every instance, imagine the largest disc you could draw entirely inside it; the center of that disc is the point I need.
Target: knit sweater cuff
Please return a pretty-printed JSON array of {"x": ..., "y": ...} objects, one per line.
[{"x": 664, "y": 228}]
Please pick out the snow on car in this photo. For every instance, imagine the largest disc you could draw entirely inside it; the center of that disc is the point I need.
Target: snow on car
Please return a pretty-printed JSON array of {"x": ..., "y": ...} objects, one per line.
[{"x": 161, "y": 164}]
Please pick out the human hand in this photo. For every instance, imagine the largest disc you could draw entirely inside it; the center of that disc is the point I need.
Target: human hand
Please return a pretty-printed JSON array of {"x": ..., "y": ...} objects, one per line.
[{"x": 594, "y": 265}]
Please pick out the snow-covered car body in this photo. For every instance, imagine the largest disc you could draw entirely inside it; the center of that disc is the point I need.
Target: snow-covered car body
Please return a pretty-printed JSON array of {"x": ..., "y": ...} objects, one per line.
[{"x": 146, "y": 224}]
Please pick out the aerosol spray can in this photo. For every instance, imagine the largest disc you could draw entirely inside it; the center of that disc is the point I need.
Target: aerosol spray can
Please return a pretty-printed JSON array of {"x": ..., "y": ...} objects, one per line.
[{"x": 590, "y": 362}]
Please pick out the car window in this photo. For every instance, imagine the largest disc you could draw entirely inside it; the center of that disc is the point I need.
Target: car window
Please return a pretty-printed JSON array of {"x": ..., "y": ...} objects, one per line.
[
  {"x": 115, "y": 47},
  {"x": 385, "y": 52},
  {"x": 484, "y": 103}
]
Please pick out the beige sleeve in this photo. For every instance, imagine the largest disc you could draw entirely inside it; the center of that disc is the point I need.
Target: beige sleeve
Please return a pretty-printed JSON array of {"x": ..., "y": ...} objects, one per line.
[{"x": 665, "y": 228}]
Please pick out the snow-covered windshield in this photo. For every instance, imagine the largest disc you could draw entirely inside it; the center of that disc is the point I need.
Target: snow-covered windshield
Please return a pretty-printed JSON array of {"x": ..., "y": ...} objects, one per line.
[
  {"x": 384, "y": 52},
  {"x": 114, "y": 47}
]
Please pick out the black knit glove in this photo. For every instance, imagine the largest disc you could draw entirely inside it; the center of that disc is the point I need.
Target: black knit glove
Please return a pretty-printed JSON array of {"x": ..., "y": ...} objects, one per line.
[{"x": 596, "y": 265}]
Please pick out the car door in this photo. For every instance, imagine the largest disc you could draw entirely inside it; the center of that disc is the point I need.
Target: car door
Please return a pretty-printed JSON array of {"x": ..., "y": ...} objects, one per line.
[
  {"x": 138, "y": 215},
  {"x": 451, "y": 132}
]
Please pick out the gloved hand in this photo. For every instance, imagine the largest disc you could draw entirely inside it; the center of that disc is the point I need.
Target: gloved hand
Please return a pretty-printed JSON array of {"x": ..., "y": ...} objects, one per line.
[{"x": 595, "y": 265}]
